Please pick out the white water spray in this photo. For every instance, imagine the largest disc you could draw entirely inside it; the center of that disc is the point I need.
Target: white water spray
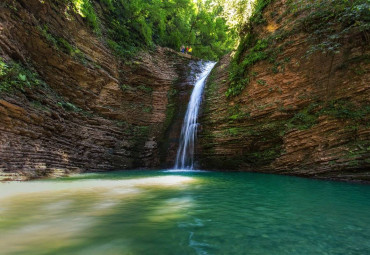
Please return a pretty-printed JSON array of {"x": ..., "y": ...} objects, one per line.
[{"x": 185, "y": 152}]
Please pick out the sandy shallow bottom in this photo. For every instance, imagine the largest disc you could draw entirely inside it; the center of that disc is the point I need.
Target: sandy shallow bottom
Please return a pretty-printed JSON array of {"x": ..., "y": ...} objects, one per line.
[{"x": 182, "y": 212}]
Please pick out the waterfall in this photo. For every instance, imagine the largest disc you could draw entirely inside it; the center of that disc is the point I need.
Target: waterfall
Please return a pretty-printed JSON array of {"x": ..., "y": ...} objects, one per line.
[{"x": 185, "y": 152}]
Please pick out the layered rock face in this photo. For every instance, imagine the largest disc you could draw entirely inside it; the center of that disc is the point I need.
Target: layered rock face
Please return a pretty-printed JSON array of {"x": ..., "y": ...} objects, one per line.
[
  {"x": 304, "y": 112},
  {"x": 86, "y": 110}
]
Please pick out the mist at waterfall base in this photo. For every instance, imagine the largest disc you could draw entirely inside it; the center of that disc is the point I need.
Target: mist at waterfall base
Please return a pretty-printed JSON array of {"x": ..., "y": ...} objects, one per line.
[
  {"x": 185, "y": 152},
  {"x": 157, "y": 212}
]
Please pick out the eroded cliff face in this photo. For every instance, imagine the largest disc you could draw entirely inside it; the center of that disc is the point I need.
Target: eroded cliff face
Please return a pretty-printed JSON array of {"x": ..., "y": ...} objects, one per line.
[
  {"x": 303, "y": 112},
  {"x": 74, "y": 106}
]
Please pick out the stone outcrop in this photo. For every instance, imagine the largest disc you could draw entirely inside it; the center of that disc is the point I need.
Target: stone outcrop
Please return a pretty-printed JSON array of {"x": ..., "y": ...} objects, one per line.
[
  {"x": 78, "y": 107},
  {"x": 93, "y": 111},
  {"x": 308, "y": 115}
]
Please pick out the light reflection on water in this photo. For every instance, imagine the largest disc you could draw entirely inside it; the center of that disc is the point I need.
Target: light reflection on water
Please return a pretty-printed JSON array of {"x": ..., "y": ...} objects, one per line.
[{"x": 142, "y": 212}]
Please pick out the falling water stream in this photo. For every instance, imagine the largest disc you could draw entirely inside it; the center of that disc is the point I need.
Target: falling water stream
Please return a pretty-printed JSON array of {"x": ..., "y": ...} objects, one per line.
[
  {"x": 184, "y": 212},
  {"x": 185, "y": 152}
]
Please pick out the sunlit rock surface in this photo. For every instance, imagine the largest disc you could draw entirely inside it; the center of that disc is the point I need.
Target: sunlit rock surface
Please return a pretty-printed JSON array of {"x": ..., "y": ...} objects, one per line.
[
  {"x": 95, "y": 112},
  {"x": 301, "y": 114}
]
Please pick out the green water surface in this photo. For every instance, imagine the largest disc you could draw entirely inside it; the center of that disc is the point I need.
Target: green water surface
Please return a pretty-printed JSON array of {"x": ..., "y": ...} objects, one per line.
[{"x": 159, "y": 212}]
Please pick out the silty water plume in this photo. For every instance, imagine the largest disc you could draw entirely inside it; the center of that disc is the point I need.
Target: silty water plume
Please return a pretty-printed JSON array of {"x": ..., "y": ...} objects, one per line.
[{"x": 185, "y": 152}]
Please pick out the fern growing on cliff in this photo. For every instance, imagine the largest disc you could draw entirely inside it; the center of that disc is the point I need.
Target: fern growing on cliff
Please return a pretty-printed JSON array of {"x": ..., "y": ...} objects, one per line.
[{"x": 15, "y": 76}]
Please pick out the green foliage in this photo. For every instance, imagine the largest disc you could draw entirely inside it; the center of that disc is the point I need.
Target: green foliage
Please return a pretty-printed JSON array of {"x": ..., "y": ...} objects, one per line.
[
  {"x": 265, "y": 156},
  {"x": 249, "y": 52},
  {"x": 62, "y": 44},
  {"x": 71, "y": 50},
  {"x": 126, "y": 87},
  {"x": 328, "y": 22},
  {"x": 108, "y": 3},
  {"x": 256, "y": 17},
  {"x": 171, "y": 106},
  {"x": 145, "y": 89},
  {"x": 38, "y": 105},
  {"x": 15, "y": 76},
  {"x": 262, "y": 82},
  {"x": 342, "y": 109},
  {"x": 238, "y": 71},
  {"x": 304, "y": 119},
  {"x": 137, "y": 24},
  {"x": 86, "y": 9},
  {"x": 147, "y": 109},
  {"x": 237, "y": 113},
  {"x": 129, "y": 26},
  {"x": 121, "y": 51},
  {"x": 239, "y": 116},
  {"x": 339, "y": 109},
  {"x": 49, "y": 37},
  {"x": 141, "y": 130},
  {"x": 69, "y": 106}
]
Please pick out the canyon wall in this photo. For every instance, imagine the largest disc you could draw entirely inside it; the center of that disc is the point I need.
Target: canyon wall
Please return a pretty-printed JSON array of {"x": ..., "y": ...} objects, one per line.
[
  {"x": 304, "y": 105},
  {"x": 68, "y": 104},
  {"x": 293, "y": 99}
]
